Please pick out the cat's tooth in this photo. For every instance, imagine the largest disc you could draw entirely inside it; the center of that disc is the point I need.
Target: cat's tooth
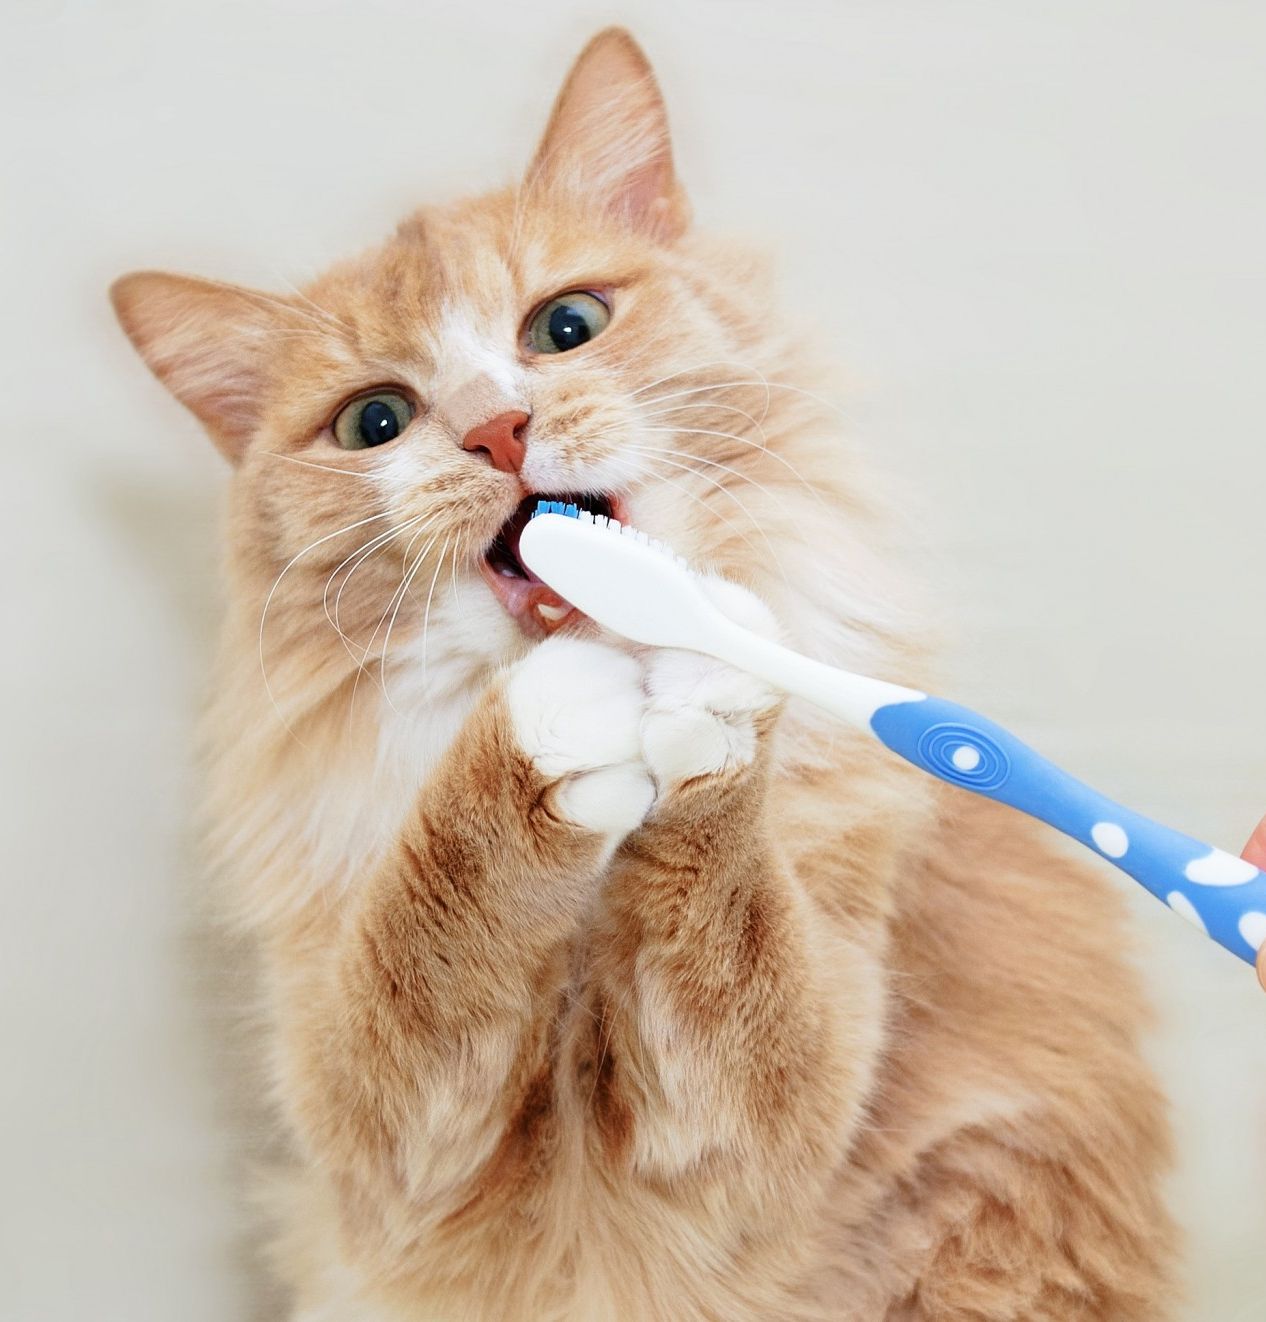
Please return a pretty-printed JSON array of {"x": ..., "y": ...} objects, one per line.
[{"x": 553, "y": 613}]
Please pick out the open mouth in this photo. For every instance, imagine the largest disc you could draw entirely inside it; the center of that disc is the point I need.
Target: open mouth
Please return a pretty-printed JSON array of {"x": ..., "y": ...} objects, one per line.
[{"x": 538, "y": 609}]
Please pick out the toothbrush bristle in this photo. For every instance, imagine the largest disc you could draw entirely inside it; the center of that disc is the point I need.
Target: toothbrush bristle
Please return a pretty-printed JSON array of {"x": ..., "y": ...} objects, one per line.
[
  {"x": 555, "y": 507},
  {"x": 571, "y": 511}
]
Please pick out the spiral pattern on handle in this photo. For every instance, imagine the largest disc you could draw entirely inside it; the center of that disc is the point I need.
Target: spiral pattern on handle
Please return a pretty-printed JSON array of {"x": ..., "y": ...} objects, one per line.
[{"x": 964, "y": 756}]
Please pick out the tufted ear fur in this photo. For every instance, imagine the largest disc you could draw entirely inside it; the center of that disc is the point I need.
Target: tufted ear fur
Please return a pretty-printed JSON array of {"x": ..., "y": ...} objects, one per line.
[
  {"x": 607, "y": 139},
  {"x": 204, "y": 341}
]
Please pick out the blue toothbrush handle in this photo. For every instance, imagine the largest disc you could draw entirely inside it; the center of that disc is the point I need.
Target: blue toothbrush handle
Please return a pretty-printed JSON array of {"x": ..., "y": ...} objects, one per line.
[{"x": 1222, "y": 895}]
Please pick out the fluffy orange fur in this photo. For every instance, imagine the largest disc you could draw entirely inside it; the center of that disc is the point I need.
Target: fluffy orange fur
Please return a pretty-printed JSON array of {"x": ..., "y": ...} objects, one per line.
[{"x": 601, "y": 985}]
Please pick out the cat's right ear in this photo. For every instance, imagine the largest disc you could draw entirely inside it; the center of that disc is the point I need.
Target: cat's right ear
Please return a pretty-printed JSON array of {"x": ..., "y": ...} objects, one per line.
[
  {"x": 607, "y": 140},
  {"x": 203, "y": 340}
]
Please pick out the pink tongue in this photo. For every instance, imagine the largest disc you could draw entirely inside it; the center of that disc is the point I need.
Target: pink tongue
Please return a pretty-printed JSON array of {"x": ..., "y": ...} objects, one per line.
[{"x": 521, "y": 595}]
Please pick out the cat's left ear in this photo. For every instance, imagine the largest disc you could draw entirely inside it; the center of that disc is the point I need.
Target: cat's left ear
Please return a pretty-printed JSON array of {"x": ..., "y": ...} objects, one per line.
[
  {"x": 607, "y": 140},
  {"x": 206, "y": 342}
]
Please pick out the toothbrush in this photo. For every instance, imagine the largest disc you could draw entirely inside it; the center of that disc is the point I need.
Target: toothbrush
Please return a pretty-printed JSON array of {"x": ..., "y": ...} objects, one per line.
[{"x": 637, "y": 587}]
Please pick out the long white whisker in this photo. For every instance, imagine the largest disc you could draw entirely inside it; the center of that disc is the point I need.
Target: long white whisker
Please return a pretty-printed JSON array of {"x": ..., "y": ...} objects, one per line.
[
  {"x": 396, "y": 596},
  {"x": 283, "y": 305},
  {"x": 764, "y": 383},
  {"x": 720, "y": 486},
  {"x": 426, "y": 617},
  {"x": 325, "y": 315},
  {"x": 404, "y": 559},
  {"x": 263, "y": 617},
  {"x": 710, "y": 406},
  {"x": 714, "y": 463},
  {"x": 745, "y": 440},
  {"x": 404, "y": 591},
  {"x": 338, "y": 598},
  {"x": 327, "y": 468},
  {"x": 457, "y": 592},
  {"x": 678, "y": 485},
  {"x": 696, "y": 368},
  {"x": 320, "y": 322},
  {"x": 361, "y": 554}
]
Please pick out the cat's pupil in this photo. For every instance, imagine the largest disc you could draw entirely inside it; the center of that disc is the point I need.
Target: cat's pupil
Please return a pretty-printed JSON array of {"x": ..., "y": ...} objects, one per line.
[
  {"x": 378, "y": 423},
  {"x": 568, "y": 327}
]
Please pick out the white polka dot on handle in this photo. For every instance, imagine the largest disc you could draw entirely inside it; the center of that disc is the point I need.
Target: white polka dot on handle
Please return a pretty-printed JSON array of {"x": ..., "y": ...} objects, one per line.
[
  {"x": 1180, "y": 904},
  {"x": 965, "y": 757},
  {"x": 1253, "y": 928},
  {"x": 1110, "y": 839},
  {"x": 1218, "y": 868}
]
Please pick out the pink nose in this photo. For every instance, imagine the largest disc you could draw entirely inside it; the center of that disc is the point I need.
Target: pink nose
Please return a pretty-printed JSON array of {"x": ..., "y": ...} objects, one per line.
[{"x": 501, "y": 439}]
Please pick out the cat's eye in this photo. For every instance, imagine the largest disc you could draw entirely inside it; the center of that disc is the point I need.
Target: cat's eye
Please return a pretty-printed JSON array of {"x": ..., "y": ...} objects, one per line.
[
  {"x": 372, "y": 420},
  {"x": 567, "y": 322}
]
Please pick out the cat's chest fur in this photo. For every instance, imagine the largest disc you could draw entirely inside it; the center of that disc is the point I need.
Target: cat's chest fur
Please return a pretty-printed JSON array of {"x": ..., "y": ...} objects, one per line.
[
  {"x": 305, "y": 805},
  {"x": 414, "y": 708}
]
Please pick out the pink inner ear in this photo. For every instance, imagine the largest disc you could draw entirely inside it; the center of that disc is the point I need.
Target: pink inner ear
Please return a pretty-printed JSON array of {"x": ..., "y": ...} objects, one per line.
[
  {"x": 203, "y": 339},
  {"x": 608, "y": 139},
  {"x": 631, "y": 176},
  {"x": 647, "y": 197}
]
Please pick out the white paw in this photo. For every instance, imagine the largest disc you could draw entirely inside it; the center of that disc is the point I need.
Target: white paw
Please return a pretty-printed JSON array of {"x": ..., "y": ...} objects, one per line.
[
  {"x": 701, "y": 715},
  {"x": 576, "y": 707},
  {"x": 611, "y": 801}
]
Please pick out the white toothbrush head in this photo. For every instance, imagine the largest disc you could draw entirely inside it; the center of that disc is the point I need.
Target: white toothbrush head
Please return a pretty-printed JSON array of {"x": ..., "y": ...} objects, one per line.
[
  {"x": 637, "y": 587},
  {"x": 621, "y": 578}
]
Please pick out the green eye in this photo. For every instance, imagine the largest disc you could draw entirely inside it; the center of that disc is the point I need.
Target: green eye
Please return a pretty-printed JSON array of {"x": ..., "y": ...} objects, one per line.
[
  {"x": 567, "y": 322},
  {"x": 372, "y": 420}
]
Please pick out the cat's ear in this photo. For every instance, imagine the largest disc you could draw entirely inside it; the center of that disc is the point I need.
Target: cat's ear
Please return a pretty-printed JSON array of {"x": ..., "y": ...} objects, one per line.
[
  {"x": 205, "y": 341},
  {"x": 607, "y": 139}
]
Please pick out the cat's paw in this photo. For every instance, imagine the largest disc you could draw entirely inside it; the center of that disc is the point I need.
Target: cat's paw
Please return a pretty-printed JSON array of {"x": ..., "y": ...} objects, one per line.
[
  {"x": 576, "y": 708},
  {"x": 703, "y": 717}
]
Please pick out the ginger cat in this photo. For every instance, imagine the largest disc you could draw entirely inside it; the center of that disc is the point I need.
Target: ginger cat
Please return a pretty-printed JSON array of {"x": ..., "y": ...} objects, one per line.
[{"x": 600, "y": 985}]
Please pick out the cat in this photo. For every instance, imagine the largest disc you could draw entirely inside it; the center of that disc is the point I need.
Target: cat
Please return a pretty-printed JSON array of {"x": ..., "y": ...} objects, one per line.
[{"x": 602, "y": 983}]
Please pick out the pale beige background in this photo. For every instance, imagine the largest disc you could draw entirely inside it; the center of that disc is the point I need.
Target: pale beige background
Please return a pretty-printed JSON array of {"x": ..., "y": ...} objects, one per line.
[{"x": 1035, "y": 232}]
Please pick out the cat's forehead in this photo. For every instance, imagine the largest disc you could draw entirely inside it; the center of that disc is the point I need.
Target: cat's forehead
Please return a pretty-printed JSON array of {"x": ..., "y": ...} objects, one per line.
[{"x": 477, "y": 267}]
